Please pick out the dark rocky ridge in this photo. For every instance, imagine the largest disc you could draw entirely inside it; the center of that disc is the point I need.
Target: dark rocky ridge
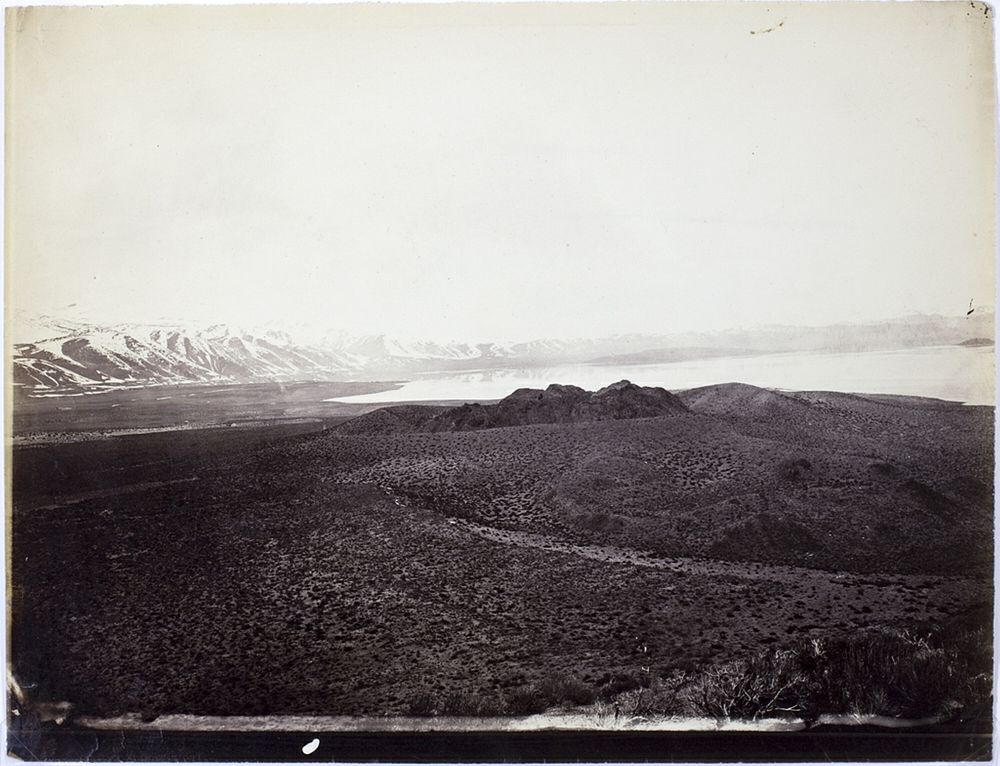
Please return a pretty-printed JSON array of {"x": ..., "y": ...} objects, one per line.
[{"x": 528, "y": 406}]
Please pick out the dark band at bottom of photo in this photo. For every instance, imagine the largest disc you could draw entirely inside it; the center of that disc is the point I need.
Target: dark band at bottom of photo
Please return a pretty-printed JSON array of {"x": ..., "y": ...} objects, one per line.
[{"x": 71, "y": 743}]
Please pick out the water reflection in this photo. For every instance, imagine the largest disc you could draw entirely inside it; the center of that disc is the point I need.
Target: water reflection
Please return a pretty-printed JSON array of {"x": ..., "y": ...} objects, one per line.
[{"x": 945, "y": 372}]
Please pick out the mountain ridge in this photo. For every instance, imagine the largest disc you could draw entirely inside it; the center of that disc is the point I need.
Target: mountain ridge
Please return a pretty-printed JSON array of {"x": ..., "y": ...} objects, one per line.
[{"x": 61, "y": 355}]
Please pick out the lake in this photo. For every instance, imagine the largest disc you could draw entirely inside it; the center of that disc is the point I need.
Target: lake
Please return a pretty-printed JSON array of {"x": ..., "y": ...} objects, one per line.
[{"x": 946, "y": 372}]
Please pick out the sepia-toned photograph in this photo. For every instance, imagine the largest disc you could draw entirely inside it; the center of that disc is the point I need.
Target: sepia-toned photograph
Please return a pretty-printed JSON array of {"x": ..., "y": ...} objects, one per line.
[{"x": 500, "y": 382}]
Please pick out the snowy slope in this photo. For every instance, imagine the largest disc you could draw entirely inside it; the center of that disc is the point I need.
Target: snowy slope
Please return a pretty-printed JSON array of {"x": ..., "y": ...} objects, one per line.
[
  {"x": 108, "y": 356},
  {"x": 54, "y": 354}
]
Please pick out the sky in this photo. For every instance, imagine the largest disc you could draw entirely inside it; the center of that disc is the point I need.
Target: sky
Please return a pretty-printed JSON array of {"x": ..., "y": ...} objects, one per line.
[{"x": 500, "y": 172}]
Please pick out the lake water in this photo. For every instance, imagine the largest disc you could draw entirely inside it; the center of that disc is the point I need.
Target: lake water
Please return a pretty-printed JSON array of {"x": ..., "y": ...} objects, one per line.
[{"x": 945, "y": 372}]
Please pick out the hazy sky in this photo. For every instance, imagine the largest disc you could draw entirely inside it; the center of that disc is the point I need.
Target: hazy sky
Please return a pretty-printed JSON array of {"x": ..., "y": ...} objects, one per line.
[{"x": 501, "y": 172}]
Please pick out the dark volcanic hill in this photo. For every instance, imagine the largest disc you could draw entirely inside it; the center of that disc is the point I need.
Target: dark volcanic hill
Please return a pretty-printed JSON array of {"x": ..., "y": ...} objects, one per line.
[
  {"x": 528, "y": 406},
  {"x": 560, "y": 404}
]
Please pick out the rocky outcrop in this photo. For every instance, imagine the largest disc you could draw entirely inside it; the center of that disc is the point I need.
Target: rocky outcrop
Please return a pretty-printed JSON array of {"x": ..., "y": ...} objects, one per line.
[{"x": 560, "y": 404}]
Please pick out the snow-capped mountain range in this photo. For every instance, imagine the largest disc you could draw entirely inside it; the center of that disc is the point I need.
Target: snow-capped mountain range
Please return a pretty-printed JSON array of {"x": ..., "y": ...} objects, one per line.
[
  {"x": 84, "y": 356},
  {"x": 69, "y": 355},
  {"x": 54, "y": 354}
]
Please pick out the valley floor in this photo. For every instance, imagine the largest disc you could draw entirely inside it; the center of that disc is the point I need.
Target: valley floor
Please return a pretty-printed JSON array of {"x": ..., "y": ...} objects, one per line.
[{"x": 644, "y": 565}]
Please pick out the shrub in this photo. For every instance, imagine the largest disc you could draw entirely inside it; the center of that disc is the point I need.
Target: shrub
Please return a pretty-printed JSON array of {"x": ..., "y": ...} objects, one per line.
[
  {"x": 617, "y": 683},
  {"x": 660, "y": 698},
  {"x": 422, "y": 704},
  {"x": 566, "y": 689},
  {"x": 876, "y": 672},
  {"x": 526, "y": 700},
  {"x": 902, "y": 673},
  {"x": 481, "y": 705},
  {"x": 767, "y": 684}
]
